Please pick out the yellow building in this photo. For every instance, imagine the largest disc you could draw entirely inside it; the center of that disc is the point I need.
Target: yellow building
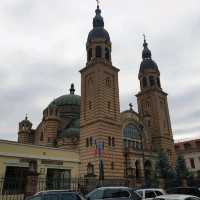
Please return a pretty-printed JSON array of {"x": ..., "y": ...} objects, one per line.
[{"x": 18, "y": 160}]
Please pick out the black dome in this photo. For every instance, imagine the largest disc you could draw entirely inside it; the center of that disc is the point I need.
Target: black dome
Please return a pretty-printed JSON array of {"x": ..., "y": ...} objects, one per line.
[
  {"x": 148, "y": 64},
  {"x": 98, "y": 33}
]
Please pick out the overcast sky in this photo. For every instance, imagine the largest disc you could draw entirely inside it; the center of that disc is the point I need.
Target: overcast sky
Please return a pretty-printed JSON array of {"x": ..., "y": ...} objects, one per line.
[{"x": 42, "y": 48}]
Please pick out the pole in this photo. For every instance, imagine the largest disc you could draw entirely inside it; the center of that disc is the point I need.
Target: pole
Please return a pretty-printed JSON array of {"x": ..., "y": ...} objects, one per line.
[{"x": 142, "y": 147}]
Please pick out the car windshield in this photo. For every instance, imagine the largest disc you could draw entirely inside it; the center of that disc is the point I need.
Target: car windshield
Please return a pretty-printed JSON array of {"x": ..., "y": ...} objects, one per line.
[{"x": 135, "y": 195}]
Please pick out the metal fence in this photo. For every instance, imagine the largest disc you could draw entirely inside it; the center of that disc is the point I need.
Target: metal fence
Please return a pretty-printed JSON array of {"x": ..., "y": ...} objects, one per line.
[{"x": 16, "y": 188}]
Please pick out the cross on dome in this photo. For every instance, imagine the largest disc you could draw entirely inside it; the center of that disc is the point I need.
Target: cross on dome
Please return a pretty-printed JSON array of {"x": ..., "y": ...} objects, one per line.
[{"x": 98, "y": 2}]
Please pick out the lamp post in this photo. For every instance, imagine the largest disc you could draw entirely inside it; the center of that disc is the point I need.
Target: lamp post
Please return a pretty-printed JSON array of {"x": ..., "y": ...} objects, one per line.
[{"x": 141, "y": 132}]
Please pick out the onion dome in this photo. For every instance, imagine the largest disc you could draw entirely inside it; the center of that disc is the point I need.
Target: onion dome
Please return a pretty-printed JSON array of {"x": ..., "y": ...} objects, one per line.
[
  {"x": 25, "y": 124},
  {"x": 147, "y": 63},
  {"x": 98, "y": 31},
  {"x": 72, "y": 131},
  {"x": 68, "y": 99}
]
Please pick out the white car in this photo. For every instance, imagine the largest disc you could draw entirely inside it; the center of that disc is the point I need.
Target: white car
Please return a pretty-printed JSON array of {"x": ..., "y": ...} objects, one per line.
[
  {"x": 150, "y": 193},
  {"x": 176, "y": 197}
]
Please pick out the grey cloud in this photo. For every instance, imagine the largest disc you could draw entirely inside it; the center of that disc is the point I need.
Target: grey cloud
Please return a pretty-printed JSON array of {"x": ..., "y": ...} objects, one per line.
[{"x": 42, "y": 48}]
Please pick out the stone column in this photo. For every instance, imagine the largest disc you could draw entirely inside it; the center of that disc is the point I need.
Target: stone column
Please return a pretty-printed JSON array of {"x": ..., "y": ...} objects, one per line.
[
  {"x": 31, "y": 179},
  {"x": 31, "y": 184}
]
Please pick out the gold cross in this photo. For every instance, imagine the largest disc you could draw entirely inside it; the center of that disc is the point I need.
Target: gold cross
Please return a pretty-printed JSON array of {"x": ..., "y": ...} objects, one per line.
[{"x": 98, "y": 2}]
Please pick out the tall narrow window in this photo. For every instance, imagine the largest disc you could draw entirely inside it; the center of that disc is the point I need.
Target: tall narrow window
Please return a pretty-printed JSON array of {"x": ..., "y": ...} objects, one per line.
[
  {"x": 107, "y": 54},
  {"x": 91, "y": 141},
  {"x": 192, "y": 163},
  {"x": 108, "y": 105},
  {"x": 152, "y": 81},
  {"x": 89, "y": 54},
  {"x": 113, "y": 141},
  {"x": 98, "y": 52},
  {"x": 112, "y": 165},
  {"x": 90, "y": 105},
  {"x": 144, "y": 82},
  {"x": 158, "y": 82},
  {"x": 109, "y": 141},
  {"x": 87, "y": 142},
  {"x": 41, "y": 136}
]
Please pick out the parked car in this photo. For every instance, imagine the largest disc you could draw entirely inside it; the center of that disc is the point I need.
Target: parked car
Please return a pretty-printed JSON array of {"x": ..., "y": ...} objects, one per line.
[
  {"x": 185, "y": 190},
  {"x": 114, "y": 193},
  {"x": 56, "y": 195},
  {"x": 176, "y": 197},
  {"x": 150, "y": 193}
]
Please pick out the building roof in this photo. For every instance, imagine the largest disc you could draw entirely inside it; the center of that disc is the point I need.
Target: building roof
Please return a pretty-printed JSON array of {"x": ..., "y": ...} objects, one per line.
[
  {"x": 68, "y": 99},
  {"x": 98, "y": 31}
]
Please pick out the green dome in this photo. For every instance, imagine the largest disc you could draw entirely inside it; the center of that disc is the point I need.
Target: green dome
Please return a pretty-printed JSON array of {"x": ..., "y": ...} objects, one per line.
[
  {"x": 70, "y": 132},
  {"x": 69, "y": 99}
]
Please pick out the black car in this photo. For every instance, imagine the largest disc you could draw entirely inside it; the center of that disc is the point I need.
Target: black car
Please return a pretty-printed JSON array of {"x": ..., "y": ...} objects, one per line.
[
  {"x": 185, "y": 190},
  {"x": 56, "y": 195},
  {"x": 114, "y": 193}
]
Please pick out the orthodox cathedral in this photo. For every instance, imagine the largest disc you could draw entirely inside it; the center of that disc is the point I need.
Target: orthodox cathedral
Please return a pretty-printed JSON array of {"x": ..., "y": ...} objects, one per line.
[{"x": 109, "y": 143}]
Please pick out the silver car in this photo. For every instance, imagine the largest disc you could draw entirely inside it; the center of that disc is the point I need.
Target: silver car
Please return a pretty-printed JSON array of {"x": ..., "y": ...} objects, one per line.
[
  {"x": 113, "y": 193},
  {"x": 176, "y": 197}
]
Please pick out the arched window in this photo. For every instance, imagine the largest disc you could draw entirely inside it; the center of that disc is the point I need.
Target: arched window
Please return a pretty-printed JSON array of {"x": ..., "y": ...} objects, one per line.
[
  {"x": 151, "y": 80},
  {"x": 131, "y": 132},
  {"x": 89, "y": 54},
  {"x": 98, "y": 52},
  {"x": 41, "y": 136},
  {"x": 107, "y": 53},
  {"x": 158, "y": 82},
  {"x": 144, "y": 82}
]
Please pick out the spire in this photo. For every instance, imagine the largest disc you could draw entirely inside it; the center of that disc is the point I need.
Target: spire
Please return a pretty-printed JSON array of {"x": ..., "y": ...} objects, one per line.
[
  {"x": 26, "y": 117},
  {"x": 98, "y": 19},
  {"x": 146, "y": 53},
  {"x": 72, "y": 90}
]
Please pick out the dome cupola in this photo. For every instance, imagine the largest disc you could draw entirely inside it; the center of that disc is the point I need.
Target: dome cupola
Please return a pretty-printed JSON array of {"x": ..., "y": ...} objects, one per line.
[
  {"x": 67, "y": 99},
  {"x": 147, "y": 62},
  {"x": 149, "y": 74},
  {"x": 98, "y": 42}
]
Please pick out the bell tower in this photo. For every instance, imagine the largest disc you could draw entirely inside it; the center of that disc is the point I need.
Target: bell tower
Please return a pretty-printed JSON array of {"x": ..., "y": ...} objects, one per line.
[
  {"x": 25, "y": 133},
  {"x": 153, "y": 106},
  {"x": 100, "y": 135}
]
